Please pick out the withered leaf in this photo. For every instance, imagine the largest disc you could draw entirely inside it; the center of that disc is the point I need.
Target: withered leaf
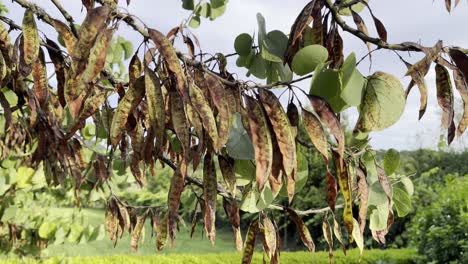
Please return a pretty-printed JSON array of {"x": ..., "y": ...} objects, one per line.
[
  {"x": 300, "y": 24},
  {"x": 332, "y": 190},
  {"x": 65, "y": 32},
  {"x": 30, "y": 38},
  {"x": 209, "y": 193},
  {"x": 97, "y": 56},
  {"x": 137, "y": 231},
  {"x": 88, "y": 4},
  {"x": 328, "y": 117},
  {"x": 179, "y": 121},
  {"x": 282, "y": 129},
  {"x": 39, "y": 74},
  {"x": 59, "y": 64},
  {"x": 203, "y": 109},
  {"x": 261, "y": 139},
  {"x": 462, "y": 88},
  {"x": 302, "y": 229},
  {"x": 423, "y": 65},
  {"x": 226, "y": 165},
  {"x": 161, "y": 237},
  {"x": 461, "y": 60},
  {"x": 269, "y": 237},
  {"x": 219, "y": 99},
  {"x": 345, "y": 188},
  {"x": 444, "y": 95},
  {"x": 94, "y": 23},
  {"x": 126, "y": 106},
  {"x": 173, "y": 199},
  {"x": 134, "y": 68},
  {"x": 155, "y": 103},
  {"x": 316, "y": 133},
  {"x": 361, "y": 25},
  {"x": 168, "y": 52},
  {"x": 363, "y": 189},
  {"x": 328, "y": 235},
  {"x": 249, "y": 245},
  {"x": 232, "y": 211}
]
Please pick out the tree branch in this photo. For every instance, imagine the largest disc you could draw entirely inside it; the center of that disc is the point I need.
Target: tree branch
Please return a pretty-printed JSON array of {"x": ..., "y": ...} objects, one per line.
[
  {"x": 67, "y": 16},
  {"x": 376, "y": 41}
]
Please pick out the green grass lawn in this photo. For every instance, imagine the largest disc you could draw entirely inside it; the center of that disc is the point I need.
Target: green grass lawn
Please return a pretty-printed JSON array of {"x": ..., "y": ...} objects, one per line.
[{"x": 183, "y": 244}]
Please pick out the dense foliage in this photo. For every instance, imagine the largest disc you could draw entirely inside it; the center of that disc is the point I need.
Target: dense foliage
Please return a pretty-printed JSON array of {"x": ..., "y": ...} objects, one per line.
[{"x": 100, "y": 129}]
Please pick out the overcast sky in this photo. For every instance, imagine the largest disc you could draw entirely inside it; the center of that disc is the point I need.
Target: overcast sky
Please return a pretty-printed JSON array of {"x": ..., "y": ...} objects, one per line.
[{"x": 424, "y": 21}]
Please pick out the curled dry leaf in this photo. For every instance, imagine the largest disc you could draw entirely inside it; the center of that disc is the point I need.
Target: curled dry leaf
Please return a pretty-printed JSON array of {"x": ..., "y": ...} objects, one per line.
[
  {"x": 210, "y": 193},
  {"x": 59, "y": 65},
  {"x": 170, "y": 56},
  {"x": 316, "y": 133},
  {"x": 332, "y": 190},
  {"x": 261, "y": 139},
  {"x": 269, "y": 237},
  {"x": 97, "y": 56},
  {"x": 328, "y": 235},
  {"x": 219, "y": 99},
  {"x": 155, "y": 103},
  {"x": 39, "y": 74},
  {"x": 66, "y": 34},
  {"x": 462, "y": 88},
  {"x": 331, "y": 121},
  {"x": 138, "y": 231},
  {"x": 444, "y": 95},
  {"x": 126, "y": 106},
  {"x": 232, "y": 211},
  {"x": 94, "y": 23},
  {"x": 249, "y": 245},
  {"x": 173, "y": 200},
  {"x": 363, "y": 189},
  {"x": 30, "y": 38},
  {"x": 361, "y": 27},
  {"x": 179, "y": 121},
  {"x": 302, "y": 229},
  {"x": 345, "y": 188},
  {"x": 282, "y": 129},
  {"x": 202, "y": 107},
  {"x": 226, "y": 165}
]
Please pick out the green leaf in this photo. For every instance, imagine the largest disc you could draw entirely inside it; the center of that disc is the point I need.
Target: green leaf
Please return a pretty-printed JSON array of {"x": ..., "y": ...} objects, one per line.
[
  {"x": 204, "y": 10},
  {"x": 353, "y": 82},
  {"x": 75, "y": 233},
  {"x": 47, "y": 230},
  {"x": 3, "y": 186},
  {"x": 23, "y": 177},
  {"x": 218, "y": 8},
  {"x": 243, "y": 44},
  {"x": 261, "y": 35},
  {"x": 117, "y": 54},
  {"x": 10, "y": 96},
  {"x": 89, "y": 131},
  {"x": 239, "y": 145},
  {"x": 274, "y": 46},
  {"x": 253, "y": 201},
  {"x": 194, "y": 22},
  {"x": 258, "y": 67},
  {"x": 245, "y": 172},
  {"x": 128, "y": 48},
  {"x": 356, "y": 8},
  {"x": 188, "y": 4},
  {"x": 383, "y": 103},
  {"x": 371, "y": 168},
  {"x": 379, "y": 217},
  {"x": 377, "y": 195},
  {"x": 327, "y": 84},
  {"x": 402, "y": 201},
  {"x": 308, "y": 58},
  {"x": 358, "y": 237},
  {"x": 407, "y": 185},
  {"x": 391, "y": 161}
]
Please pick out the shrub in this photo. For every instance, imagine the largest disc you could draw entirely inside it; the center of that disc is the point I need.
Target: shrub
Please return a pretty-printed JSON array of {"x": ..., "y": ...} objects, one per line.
[{"x": 439, "y": 230}]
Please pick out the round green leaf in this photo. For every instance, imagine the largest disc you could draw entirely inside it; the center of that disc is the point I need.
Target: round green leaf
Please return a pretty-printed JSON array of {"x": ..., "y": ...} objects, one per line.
[
  {"x": 47, "y": 230},
  {"x": 243, "y": 44},
  {"x": 391, "y": 161},
  {"x": 377, "y": 195},
  {"x": 274, "y": 46},
  {"x": 245, "y": 172},
  {"x": 307, "y": 59},
  {"x": 383, "y": 103},
  {"x": 402, "y": 201},
  {"x": 194, "y": 22},
  {"x": 239, "y": 146},
  {"x": 258, "y": 67},
  {"x": 379, "y": 217},
  {"x": 327, "y": 84}
]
